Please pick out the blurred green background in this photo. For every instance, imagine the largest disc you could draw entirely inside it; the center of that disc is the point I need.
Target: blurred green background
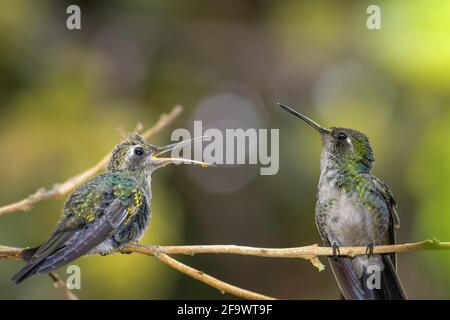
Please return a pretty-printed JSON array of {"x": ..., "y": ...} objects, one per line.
[{"x": 64, "y": 93}]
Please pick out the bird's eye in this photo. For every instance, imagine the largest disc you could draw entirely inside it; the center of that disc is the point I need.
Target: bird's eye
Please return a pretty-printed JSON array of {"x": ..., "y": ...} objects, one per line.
[
  {"x": 342, "y": 136},
  {"x": 139, "y": 151}
]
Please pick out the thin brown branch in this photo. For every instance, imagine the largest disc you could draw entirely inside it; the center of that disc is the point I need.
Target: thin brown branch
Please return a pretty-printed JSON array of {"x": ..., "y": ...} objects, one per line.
[
  {"x": 15, "y": 253},
  {"x": 59, "y": 283},
  {"x": 311, "y": 253},
  {"x": 299, "y": 252},
  {"x": 222, "y": 286},
  {"x": 64, "y": 188},
  {"x": 10, "y": 253},
  {"x": 307, "y": 251}
]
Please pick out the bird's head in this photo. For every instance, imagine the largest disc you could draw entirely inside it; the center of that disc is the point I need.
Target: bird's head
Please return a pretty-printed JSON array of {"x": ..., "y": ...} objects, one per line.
[
  {"x": 135, "y": 153},
  {"x": 341, "y": 145}
]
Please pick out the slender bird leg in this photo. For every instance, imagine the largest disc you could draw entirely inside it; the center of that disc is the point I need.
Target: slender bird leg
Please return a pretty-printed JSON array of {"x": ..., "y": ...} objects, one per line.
[
  {"x": 336, "y": 251},
  {"x": 369, "y": 250}
]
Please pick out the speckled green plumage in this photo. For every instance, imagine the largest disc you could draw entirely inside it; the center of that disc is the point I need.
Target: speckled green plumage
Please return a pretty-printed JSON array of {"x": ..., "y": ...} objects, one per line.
[
  {"x": 86, "y": 204},
  {"x": 103, "y": 214},
  {"x": 369, "y": 190},
  {"x": 354, "y": 208},
  {"x": 106, "y": 212}
]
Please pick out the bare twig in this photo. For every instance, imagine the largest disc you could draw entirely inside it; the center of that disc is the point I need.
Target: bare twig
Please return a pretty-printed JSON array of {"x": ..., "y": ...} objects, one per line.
[
  {"x": 59, "y": 283},
  {"x": 223, "y": 287},
  {"x": 311, "y": 253},
  {"x": 300, "y": 252},
  {"x": 62, "y": 189},
  {"x": 10, "y": 252},
  {"x": 307, "y": 251},
  {"x": 15, "y": 253}
]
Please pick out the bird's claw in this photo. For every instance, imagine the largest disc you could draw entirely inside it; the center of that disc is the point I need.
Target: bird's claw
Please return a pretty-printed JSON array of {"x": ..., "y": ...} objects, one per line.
[
  {"x": 369, "y": 250},
  {"x": 336, "y": 251}
]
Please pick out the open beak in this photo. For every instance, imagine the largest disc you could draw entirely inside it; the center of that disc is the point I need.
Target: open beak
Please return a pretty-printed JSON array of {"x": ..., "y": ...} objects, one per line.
[
  {"x": 161, "y": 162},
  {"x": 313, "y": 124}
]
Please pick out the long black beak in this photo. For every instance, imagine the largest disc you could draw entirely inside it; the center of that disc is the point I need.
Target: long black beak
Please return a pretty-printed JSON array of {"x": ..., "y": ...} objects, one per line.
[
  {"x": 177, "y": 145},
  {"x": 164, "y": 149},
  {"x": 313, "y": 124}
]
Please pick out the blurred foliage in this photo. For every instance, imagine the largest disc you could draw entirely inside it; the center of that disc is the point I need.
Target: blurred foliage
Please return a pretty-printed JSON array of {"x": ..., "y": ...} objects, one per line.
[
  {"x": 64, "y": 93},
  {"x": 428, "y": 177}
]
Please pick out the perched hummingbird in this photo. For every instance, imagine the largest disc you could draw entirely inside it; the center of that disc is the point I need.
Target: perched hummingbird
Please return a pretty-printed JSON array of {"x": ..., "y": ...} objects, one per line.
[
  {"x": 355, "y": 208},
  {"x": 106, "y": 212}
]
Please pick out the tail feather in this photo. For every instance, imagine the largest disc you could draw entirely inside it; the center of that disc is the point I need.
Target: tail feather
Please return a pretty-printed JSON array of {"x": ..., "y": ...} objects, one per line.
[
  {"x": 354, "y": 288},
  {"x": 27, "y": 271},
  {"x": 347, "y": 280},
  {"x": 392, "y": 287}
]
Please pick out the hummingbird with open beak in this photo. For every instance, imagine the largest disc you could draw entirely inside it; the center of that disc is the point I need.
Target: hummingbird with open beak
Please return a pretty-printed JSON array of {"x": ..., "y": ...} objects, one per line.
[
  {"x": 355, "y": 208},
  {"x": 108, "y": 211}
]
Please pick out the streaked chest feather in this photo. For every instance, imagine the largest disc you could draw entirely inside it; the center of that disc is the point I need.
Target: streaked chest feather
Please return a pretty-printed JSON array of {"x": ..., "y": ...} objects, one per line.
[{"x": 343, "y": 218}]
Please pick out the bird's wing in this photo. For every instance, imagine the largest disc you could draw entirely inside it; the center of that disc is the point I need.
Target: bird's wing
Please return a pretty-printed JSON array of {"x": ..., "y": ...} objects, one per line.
[
  {"x": 392, "y": 286},
  {"x": 89, "y": 217},
  {"x": 386, "y": 193},
  {"x": 394, "y": 222}
]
